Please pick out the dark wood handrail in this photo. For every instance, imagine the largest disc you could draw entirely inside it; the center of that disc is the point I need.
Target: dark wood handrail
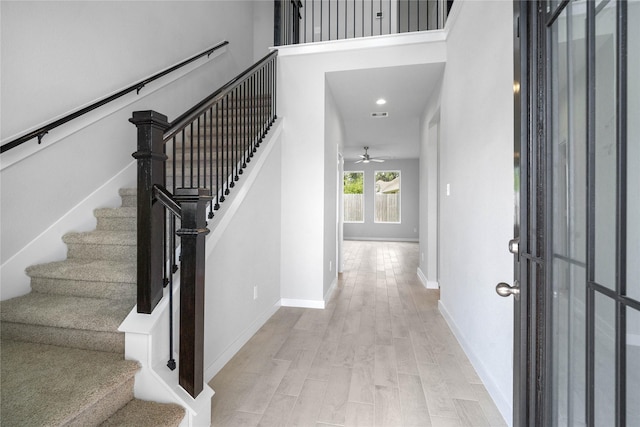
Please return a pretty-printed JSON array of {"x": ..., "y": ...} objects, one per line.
[
  {"x": 41, "y": 132},
  {"x": 180, "y": 122}
]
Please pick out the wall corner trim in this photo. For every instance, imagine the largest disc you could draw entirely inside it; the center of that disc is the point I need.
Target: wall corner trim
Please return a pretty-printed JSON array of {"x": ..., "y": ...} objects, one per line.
[
  {"x": 428, "y": 284},
  {"x": 330, "y": 291}
]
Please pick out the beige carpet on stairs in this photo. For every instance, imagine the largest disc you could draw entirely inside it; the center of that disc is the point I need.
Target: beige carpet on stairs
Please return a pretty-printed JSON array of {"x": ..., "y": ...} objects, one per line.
[{"x": 61, "y": 355}]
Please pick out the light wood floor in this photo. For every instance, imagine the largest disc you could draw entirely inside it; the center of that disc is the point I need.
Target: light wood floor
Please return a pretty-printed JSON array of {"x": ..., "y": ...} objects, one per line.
[{"x": 380, "y": 354}]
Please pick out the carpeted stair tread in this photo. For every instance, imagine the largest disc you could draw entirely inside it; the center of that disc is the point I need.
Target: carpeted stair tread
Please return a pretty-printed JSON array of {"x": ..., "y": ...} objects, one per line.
[
  {"x": 68, "y": 312},
  {"x": 87, "y": 270},
  {"x": 102, "y": 237},
  {"x": 139, "y": 413},
  {"x": 46, "y": 385}
]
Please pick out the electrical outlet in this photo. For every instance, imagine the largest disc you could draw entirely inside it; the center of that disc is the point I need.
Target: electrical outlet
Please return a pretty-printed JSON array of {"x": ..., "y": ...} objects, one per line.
[
  {"x": 255, "y": 292},
  {"x": 330, "y": 265},
  {"x": 448, "y": 189}
]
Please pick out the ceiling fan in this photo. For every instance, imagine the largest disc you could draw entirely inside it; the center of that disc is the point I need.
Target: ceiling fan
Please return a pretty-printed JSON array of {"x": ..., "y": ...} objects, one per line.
[{"x": 365, "y": 158}]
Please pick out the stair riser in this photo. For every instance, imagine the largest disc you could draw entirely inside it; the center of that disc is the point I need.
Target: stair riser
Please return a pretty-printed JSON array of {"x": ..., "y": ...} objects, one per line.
[
  {"x": 101, "y": 410},
  {"x": 109, "y": 252},
  {"x": 117, "y": 223},
  {"x": 89, "y": 340},
  {"x": 129, "y": 200},
  {"x": 108, "y": 290}
]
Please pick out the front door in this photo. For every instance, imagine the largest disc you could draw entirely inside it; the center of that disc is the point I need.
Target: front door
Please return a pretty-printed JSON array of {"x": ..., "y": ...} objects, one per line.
[{"x": 577, "y": 247}]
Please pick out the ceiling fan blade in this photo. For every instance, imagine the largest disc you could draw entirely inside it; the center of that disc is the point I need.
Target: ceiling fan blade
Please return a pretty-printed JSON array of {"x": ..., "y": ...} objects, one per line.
[
  {"x": 362, "y": 156},
  {"x": 377, "y": 160},
  {"x": 358, "y": 161}
]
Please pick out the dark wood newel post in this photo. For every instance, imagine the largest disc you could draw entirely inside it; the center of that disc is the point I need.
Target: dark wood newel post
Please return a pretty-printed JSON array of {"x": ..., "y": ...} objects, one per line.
[
  {"x": 193, "y": 202},
  {"x": 151, "y": 159}
]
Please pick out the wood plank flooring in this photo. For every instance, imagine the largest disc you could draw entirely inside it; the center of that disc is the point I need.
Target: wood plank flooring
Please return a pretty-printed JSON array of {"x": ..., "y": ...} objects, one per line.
[{"x": 380, "y": 354}]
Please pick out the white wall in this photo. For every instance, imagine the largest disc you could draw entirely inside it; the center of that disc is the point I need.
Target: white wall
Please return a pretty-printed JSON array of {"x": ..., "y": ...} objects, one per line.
[
  {"x": 262, "y": 28},
  {"x": 301, "y": 100},
  {"x": 476, "y": 160},
  {"x": 79, "y": 52},
  {"x": 245, "y": 255},
  {"x": 408, "y": 228}
]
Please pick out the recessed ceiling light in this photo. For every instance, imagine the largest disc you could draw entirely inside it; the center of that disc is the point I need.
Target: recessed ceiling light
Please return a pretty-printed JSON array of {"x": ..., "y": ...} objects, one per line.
[{"x": 381, "y": 101}]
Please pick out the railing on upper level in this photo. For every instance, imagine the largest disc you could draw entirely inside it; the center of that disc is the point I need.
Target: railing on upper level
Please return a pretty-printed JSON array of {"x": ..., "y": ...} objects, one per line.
[
  {"x": 207, "y": 149},
  {"x": 308, "y": 21},
  {"x": 43, "y": 130}
]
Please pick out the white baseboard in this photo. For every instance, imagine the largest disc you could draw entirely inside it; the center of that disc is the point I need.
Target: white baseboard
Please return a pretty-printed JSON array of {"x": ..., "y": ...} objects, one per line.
[
  {"x": 49, "y": 247},
  {"x": 302, "y": 303},
  {"x": 383, "y": 239},
  {"x": 242, "y": 339},
  {"x": 503, "y": 404}
]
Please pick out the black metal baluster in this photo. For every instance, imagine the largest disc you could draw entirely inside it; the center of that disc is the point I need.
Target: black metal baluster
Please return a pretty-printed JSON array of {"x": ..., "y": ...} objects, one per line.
[
  {"x": 354, "y": 18},
  {"x": 243, "y": 95},
  {"x": 171, "y": 363},
  {"x": 260, "y": 121},
  {"x": 275, "y": 87},
  {"x": 270, "y": 90},
  {"x": 173, "y": 167},
  {"x": 254, "y": 116},
  {"x": 184, "y": 157},
  {"x": 246, "y": 120},
  {"x": 191, "y": 156},
  {"x": 225, "y": 142},
  {"x": 313, "y": 21},
  {"x": 198, "y": 155},
  {"x": 219, "y": 197},
  {"x": 211, "y": 160},
  {"x": 221, "y": 142},
  {"x": 259, "y": 98},
  {"x": 236, "y": 160},
  {"x": 371, "y": 12}
]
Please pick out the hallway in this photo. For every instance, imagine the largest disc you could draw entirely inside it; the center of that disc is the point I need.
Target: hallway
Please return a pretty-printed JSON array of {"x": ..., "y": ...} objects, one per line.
[{"x": 379, "y": 354}]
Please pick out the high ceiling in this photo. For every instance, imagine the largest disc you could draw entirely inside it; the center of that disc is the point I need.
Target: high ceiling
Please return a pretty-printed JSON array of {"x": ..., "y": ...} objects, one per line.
[{"x": 407, "y": 90}]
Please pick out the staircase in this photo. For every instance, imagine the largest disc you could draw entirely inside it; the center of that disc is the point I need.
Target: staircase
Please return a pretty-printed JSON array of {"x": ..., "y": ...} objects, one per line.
[{"x": 61, "y": 353}]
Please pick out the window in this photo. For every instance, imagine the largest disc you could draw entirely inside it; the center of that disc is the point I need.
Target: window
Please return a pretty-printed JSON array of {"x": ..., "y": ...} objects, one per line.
[
  {"x": 353, "y": 198},
  {"x": 387, "y": 207}
]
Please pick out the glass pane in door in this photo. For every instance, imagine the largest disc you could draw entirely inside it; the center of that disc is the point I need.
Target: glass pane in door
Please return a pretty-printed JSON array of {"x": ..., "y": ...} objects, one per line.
[
  {"x": 605, "y": 144},
  {"x": 633, "y": 367},
  {"x": 633, "y": 153},
  {"x": 604, "y": 375},
  {"x": 568, "y": 145}
]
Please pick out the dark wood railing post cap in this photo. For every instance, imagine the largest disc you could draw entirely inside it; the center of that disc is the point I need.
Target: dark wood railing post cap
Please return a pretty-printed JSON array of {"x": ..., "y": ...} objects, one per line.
[{"x": 149, "y": 117}]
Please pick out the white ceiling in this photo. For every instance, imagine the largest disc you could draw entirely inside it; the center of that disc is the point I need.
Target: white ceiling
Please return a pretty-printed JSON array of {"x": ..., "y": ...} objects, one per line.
[{"x": 407, "y": 90}]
